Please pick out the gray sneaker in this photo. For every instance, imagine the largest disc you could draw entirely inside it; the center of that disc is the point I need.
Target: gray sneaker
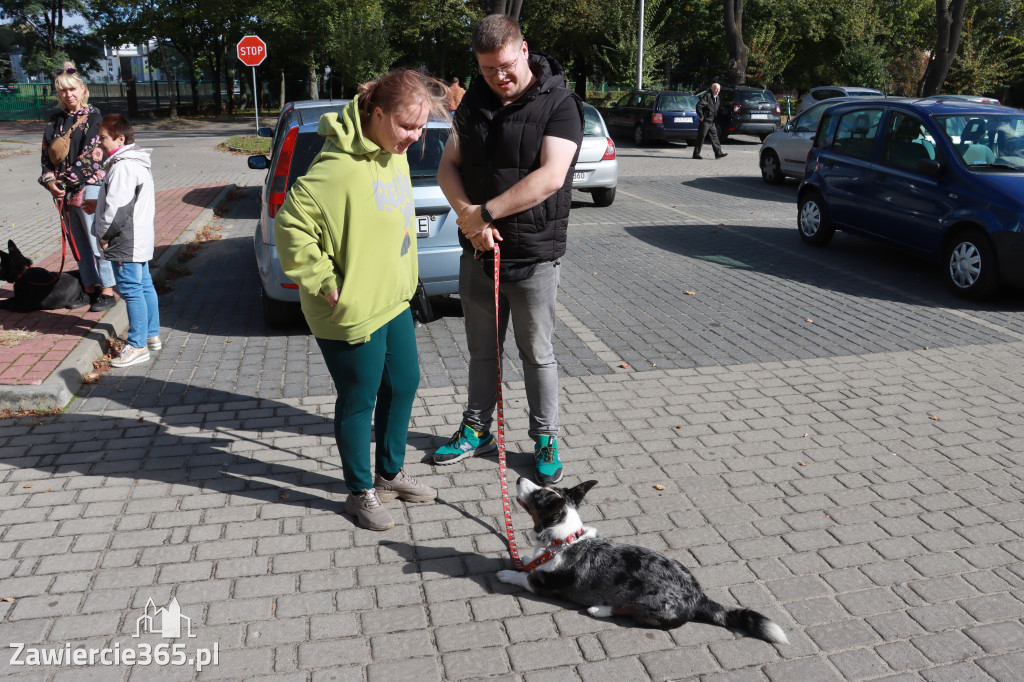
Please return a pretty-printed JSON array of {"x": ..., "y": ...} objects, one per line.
[
  {"x": 368, "y": 510},
  {"x": 405, "y": 487},
  {"x": 130, "y": 355}
]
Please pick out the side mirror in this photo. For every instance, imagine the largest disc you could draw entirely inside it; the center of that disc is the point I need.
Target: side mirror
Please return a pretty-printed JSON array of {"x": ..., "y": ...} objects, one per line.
[
  {"x": 264, "y": 132},
  {"x": 259, "y": 162},
  {"x": 789, "y": 127},
  {"x": 929, "y": 167}
]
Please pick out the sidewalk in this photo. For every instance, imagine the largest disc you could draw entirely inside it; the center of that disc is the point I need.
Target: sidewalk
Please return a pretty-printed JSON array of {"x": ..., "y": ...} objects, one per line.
[{"x": 45, "y": 371}]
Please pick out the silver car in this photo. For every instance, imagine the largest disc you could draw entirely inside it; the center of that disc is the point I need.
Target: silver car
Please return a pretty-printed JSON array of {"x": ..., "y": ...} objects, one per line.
[
  {"x": 295, "y": 146},
  {"x": 597, "y": 169}
]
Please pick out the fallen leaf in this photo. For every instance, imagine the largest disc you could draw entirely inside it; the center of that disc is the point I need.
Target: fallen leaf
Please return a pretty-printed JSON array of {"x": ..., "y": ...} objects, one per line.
[
  {"x": 625, "y": 366},
  {"x": 690, "y": 293},
  {"x": 807, "y": 319},
  {"x": 285, "y": 496},
  {"x": 7, "y": 599},
  {"x": 49, "y": 490},
  {"x": 933, "y": 418},
  {"x": 827, "y": 516},
  {"x": 803, "y": 464},
  {"x": 659, "y": 487},
  {"x": 680, "y": 426},
  {"x": 26, "y": 486},
  {"x": 140, "y": 420},
  {"x": 805, "y": 435}
]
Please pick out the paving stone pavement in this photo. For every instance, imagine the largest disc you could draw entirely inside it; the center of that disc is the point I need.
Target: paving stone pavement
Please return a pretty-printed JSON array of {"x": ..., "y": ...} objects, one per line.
[{"x": 839, "y": 442}]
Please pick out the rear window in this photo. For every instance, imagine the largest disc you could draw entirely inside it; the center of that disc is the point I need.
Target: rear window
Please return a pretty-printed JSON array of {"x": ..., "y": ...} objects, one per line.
[
  {"x": 755, "y": 97},
  {"x": 592, "y": 122},
  {"x": 307, "y": 146},
  {"x": 678, "y": 102},
  {"x": 425, "y": 155},
  {"x": 864, "y": 94}
]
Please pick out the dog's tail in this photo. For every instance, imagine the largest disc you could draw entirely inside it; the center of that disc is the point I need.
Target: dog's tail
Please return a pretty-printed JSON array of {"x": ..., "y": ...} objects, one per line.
[{"x": 745, "y": 620}]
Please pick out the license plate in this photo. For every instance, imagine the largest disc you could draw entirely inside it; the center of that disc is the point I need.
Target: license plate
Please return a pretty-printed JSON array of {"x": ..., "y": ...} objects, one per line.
[
  {"x": 422, "y": 226},
  {"x": 761, "y": 116},
  {"x": 683, "y": 119},
  {"x": 579, "y": 176}
]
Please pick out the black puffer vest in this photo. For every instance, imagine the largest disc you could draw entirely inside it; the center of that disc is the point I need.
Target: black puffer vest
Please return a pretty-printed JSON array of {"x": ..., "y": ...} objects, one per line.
[{"x": 500, "y": 145}]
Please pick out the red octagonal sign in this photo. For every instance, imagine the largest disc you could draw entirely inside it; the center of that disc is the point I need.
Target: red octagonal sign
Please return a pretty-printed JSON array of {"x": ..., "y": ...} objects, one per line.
[{"x": 252, "y": 50}]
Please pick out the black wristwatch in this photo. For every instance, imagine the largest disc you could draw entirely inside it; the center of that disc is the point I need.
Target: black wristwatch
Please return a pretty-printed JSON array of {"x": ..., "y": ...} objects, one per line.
[{"x": 485, "y": 214}]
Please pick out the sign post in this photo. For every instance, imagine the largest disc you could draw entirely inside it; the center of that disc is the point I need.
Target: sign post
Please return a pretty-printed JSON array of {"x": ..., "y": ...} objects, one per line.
[{"x": 251, "y": 52}]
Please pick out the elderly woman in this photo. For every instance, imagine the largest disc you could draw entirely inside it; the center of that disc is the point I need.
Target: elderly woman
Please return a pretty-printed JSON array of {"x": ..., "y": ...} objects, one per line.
[{"x": 72, "y": 164}]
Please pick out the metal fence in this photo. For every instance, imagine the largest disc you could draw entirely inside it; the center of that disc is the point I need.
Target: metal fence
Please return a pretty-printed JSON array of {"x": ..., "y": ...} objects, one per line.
[{"x": 36, "y": 101}]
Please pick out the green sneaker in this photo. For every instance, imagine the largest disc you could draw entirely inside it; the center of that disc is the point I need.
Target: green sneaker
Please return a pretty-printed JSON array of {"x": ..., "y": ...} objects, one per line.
[
  {"x": 465, "y": 443},
  {"x": 545, "y": 457}
]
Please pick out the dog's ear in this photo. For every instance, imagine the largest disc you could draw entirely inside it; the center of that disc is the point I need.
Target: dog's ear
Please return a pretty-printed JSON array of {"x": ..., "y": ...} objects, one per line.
[
  {"x": 11, "y": 247},
  {"x": 578, "y": 492}
]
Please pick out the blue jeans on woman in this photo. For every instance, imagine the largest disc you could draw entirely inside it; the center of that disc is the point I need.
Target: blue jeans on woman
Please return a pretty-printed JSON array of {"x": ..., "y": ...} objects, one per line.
[
  {"x": 136, "y": 287},
  {"x": 92, "y": 269}
]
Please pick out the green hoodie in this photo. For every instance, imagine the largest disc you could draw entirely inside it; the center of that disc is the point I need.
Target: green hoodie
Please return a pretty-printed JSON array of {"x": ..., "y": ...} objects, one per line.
[{"x": 350, "y": 222}]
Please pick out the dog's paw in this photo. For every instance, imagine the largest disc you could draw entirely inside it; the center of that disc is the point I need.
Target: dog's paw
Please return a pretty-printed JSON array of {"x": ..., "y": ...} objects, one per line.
[
  {"x": 510, "y": 577},
  {"x": 600, "y": 611}
]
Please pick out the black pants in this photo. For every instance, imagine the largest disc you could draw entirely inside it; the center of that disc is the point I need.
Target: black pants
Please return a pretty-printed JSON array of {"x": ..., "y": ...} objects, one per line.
[{"x": 703, "y": 129}]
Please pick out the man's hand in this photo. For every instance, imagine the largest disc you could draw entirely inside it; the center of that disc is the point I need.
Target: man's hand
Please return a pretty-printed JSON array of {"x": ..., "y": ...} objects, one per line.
[
  {"x": 480, "y": 234},
  {"x": 89, "y": 206}
]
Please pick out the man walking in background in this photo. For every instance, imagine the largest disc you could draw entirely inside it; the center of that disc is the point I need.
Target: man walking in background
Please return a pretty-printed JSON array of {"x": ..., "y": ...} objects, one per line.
[
  {"x": 707, "y": 110},
  {"x": 508, "y": 175}
]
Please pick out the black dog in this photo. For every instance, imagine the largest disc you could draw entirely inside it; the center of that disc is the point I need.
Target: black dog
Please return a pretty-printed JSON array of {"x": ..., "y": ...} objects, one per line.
[
  {"x": 38, "y": 288},
  {"x": 615, "y": 579}
]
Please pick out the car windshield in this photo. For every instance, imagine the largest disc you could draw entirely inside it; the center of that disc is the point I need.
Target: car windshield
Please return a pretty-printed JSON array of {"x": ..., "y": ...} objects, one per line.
[
  {"x": 592, "y": 123},
  {"x": 755, "y": 96},
  {"x": 986, "y": 141},
  {"x": 678, "y": 102},
  {"x": 425, "y": 155}
]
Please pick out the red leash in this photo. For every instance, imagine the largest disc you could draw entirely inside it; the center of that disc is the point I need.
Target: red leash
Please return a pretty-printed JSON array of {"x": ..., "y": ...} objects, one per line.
[
  {"x": 65, "y": 236},
  {"x": 506, "y": 505}
]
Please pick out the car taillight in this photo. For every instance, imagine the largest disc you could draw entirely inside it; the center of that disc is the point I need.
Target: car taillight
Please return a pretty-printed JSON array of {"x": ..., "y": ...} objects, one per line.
[
  {"x": 656, "y": 118},
  {"x": 778, "y": 109},
  {"x": 609, "y": 151},
  {"x": 736, "y": 108},
  {"x": 279, "y": 183}
]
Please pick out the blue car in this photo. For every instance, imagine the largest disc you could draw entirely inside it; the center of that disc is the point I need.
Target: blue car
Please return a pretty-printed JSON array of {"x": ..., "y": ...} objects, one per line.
[
  {"x": 654, "y": 115},
  {"x": 941, "y": 178}
]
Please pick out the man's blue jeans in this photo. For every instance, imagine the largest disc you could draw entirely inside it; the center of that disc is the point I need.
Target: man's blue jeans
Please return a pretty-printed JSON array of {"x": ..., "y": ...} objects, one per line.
[{"x": 136, "y": 287}]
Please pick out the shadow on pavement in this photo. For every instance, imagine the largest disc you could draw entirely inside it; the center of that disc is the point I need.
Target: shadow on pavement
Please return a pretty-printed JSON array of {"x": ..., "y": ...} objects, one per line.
[{"x": 745, "y": 187}]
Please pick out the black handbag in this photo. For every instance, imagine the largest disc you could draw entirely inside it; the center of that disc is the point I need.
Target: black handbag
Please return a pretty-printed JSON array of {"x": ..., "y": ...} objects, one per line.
[{"x": 420, "y": 305}]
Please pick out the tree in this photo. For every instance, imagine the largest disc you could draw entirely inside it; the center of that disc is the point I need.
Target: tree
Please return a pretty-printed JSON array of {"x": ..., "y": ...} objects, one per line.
[
  {"x": 949, "y": 20},
  {"x": 513, "y": 8},
  {"x": 43, "y": 36},
  {"x": 738, "y": 51}
]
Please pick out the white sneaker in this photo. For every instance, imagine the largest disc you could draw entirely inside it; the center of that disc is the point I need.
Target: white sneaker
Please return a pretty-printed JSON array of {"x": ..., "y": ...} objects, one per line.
[
  {"x": 154, "y": 343},
  {"x": 130, "y": 355}
]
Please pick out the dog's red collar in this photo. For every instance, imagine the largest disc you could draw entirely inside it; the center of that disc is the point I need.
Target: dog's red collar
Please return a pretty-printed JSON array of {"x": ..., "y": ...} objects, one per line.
[{"x": 550, "y": 554}]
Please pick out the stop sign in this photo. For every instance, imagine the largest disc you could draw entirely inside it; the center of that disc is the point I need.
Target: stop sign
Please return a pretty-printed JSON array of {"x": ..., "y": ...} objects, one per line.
[{"x": 252, "y": 50}]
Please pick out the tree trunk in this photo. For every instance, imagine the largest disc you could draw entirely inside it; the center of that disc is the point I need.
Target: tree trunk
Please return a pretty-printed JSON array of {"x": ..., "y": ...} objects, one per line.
[
  {"x": 738, "y": 51},
  {"x": 949, "y": 21},
  {"x": 513, "y": 8},
  {"x": 281, "y": 102},
  {"x": 167, "y": 76},
  {"x": 313, "y": 90}
]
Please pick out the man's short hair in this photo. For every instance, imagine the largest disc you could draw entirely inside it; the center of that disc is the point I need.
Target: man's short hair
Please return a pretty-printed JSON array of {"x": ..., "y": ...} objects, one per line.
[
  {"x": 117, "y": 125},
  {"x": 495, "y": 32},
  {"x": 455, "y": 79}
]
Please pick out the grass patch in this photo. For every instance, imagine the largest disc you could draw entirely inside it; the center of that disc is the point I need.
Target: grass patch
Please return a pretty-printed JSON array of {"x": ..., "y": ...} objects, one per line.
[
  {"x": 12, "y": 337},
  {"x": 249, "y": 144}
]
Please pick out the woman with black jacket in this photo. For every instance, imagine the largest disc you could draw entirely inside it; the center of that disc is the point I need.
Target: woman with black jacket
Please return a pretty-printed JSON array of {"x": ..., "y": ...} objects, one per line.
[{"x": 72, "y": 165}]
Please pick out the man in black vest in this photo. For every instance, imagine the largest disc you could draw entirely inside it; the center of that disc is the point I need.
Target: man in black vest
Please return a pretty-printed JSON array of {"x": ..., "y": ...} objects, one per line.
[
  {"x": 707, "y": 110},
  {"x": 508, "y": 175}
]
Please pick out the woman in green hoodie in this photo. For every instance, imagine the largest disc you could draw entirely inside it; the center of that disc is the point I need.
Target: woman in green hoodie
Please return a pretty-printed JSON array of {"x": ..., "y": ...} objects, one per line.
[{"x": 346, "y": 235}]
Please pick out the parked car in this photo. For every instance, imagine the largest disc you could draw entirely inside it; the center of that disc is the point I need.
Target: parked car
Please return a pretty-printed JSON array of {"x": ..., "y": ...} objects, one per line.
[
  {"x": 942, "y": 178},
  {"x": 597, "y": 169},
  {"x": 747, "y": 110},
  {"x": 294, "y": 147},
  {"x": 784, "y": 152},
  {"x": 8, "y": 89},
  {"x": 824, "y": 92},
  {"x": 980, "y": 99},
  {"x": 650, "y": 115}
]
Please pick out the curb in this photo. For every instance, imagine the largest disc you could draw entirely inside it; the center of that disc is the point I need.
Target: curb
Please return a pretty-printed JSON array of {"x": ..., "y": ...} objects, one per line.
[{"x": 60, "y": 388}]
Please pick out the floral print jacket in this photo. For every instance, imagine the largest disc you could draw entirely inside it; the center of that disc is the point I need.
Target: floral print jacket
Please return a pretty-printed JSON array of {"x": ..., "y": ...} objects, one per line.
[{"x": 84, "y": 162}]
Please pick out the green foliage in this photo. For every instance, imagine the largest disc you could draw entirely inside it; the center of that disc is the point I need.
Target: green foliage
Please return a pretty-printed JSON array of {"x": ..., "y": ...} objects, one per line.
[{"x": 990, "y": 57}]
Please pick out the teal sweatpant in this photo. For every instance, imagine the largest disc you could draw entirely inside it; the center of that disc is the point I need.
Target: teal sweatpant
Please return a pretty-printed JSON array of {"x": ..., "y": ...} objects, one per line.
[{"x": 384, "y": 371}]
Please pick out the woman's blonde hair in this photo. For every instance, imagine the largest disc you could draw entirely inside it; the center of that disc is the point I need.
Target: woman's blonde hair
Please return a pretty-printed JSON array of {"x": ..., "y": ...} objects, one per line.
[
  {"x": 69, "y": 81},
  {"x": 400, "y": 87}
]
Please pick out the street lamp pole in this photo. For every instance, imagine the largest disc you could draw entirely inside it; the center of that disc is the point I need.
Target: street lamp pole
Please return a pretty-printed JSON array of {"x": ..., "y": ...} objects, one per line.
[{"x": 640, "y": 51}]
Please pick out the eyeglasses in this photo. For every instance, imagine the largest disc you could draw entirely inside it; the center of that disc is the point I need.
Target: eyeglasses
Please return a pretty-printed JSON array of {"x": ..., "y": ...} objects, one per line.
[
  {"x": 69, "y": 71},
  {"x": 504, "y": 70}
]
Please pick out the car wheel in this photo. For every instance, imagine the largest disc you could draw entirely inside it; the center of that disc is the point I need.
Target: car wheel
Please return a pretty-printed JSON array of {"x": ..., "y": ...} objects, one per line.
[
  {"x": 971, "y": 267},
  {"x": 604, "y": 197},
  {"x": 277, "y": 314},
  {"x": 770, "y": 170},
  {"x": 812, "y": 220},
  {"x": 638, "y": 134}
]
